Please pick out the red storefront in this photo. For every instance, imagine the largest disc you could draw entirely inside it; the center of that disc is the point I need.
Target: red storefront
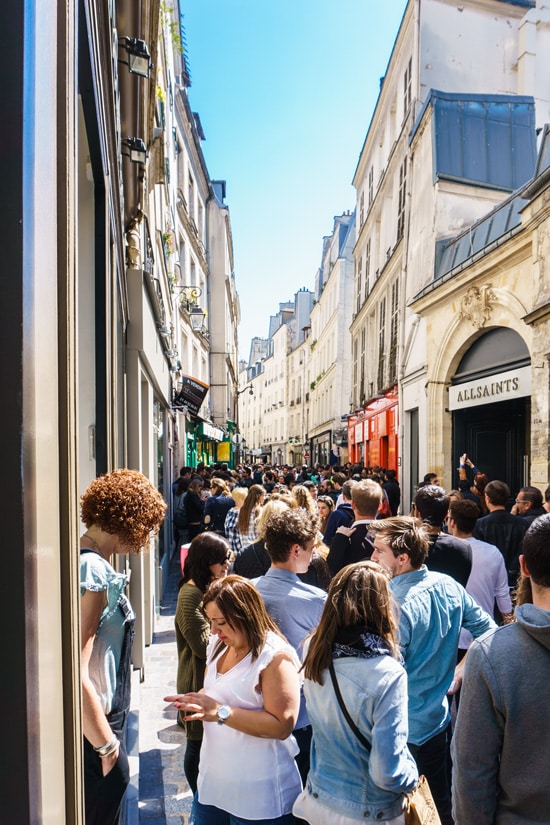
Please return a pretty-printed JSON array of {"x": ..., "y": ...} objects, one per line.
[{"x": 373, "y": 432}]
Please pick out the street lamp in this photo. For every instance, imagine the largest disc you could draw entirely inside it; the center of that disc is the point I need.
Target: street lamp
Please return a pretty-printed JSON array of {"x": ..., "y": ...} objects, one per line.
[
  {"x": 189, "y": 297},
  {"x": 138, "y": 151},
  {"x": 244, "y": 389},
  {"x": 139, "y": 59},
  {"x": 196, "y": 316}
]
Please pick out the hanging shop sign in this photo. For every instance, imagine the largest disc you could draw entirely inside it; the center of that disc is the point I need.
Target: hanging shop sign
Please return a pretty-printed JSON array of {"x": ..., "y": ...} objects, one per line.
[
  {"x": 213, "y": 433},
  {"x": 493, "y": 388},
  {"x": 191, "y": 394}
]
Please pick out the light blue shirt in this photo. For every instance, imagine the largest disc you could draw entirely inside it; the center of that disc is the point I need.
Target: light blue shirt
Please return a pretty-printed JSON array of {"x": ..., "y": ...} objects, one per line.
[
  {"x": 362, "y": 785},
  {"x": 295, "y": 608},
  {"x": 433, "y": 608},
  {"x": 96, "y": 574}
]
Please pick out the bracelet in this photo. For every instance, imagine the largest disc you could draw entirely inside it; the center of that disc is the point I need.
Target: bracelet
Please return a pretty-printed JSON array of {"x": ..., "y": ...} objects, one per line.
[{"x": 108, "y": 748}]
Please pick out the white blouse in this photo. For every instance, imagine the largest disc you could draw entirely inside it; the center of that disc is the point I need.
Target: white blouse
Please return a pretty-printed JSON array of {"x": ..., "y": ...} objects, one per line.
[{"x": 247, "y": 776}]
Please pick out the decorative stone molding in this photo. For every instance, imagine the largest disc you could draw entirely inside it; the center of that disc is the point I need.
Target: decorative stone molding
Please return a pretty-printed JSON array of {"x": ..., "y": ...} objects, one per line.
[
  {"x": 133, "y": 248},
  {"x": 476, "y": 305}
]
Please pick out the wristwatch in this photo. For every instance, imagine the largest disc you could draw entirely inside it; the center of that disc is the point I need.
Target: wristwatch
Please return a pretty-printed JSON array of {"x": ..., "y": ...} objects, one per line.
[{"x": 223, "y": 713}]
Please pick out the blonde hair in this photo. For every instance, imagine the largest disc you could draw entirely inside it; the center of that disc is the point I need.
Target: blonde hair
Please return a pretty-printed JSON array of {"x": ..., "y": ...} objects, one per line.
[
  {"x": 220, "y": 485},
  {"x": 238, "y": 494},
  {"x": 250, "y": 507},
  {"x": 304, "y": 499},
  {"x": 270, "y": 508}
]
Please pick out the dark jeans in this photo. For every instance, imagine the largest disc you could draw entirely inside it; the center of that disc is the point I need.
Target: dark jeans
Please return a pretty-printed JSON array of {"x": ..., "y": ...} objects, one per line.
[
  {"x": 433, "y": 759},
  {"x": 103, "y": 794},
  {"x": 303, "y": 739},
  {"x": 191, "y": 762}
]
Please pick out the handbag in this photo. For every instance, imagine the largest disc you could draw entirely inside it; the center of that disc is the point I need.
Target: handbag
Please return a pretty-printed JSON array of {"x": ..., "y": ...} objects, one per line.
[{"x": 419, "y": 805}]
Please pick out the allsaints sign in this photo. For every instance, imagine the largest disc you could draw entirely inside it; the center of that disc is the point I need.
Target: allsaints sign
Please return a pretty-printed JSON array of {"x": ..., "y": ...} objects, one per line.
[{"x": 500, "y": 387}]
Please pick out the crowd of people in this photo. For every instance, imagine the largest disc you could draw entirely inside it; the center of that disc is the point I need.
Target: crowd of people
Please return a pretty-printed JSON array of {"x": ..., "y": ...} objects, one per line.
[{"x": 332, "y": 650}]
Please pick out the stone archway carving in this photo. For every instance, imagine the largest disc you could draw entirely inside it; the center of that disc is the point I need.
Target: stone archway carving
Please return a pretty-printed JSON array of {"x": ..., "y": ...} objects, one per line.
[
  {"x": 505, "y": 309},
  {"x": 476, "y": 305},
  {"x": 480, "y": 308}
]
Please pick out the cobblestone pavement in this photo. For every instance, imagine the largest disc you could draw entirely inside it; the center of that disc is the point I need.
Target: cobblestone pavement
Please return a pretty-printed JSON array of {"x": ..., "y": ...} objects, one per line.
[{"x": 164, "y": 795}]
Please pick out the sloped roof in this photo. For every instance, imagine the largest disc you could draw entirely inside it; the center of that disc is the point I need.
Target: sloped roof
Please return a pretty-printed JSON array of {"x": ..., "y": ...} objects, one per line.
[
  {"x": 482, "y": 139},
  {"x": 500, "y": 223}
]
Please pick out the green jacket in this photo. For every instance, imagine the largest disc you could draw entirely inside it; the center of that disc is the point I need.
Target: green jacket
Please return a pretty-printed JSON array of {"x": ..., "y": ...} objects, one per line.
[{"x": 192, "y": 635}]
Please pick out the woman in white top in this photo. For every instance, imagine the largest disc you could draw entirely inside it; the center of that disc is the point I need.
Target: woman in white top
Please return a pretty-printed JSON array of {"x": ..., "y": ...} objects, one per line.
[{"x": 251, "y": 698}]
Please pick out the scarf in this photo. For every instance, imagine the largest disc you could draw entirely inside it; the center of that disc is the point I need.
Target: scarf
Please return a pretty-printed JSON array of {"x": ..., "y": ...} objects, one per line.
[{"x": 361, "y": 642}]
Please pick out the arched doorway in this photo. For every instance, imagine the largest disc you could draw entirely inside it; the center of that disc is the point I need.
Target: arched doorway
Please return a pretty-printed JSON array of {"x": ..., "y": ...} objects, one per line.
[{"x": 490, "y": 402}]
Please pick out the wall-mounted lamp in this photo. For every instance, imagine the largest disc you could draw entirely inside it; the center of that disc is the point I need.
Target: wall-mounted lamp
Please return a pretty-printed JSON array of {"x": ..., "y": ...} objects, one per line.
[
  {"x": 244, "y": 389},
  {"x": 189, "y": 297},
  {"x": 139, "y": 59},
  {"x": 196, "y": 317},
  {"x": 138, "y": 152}
]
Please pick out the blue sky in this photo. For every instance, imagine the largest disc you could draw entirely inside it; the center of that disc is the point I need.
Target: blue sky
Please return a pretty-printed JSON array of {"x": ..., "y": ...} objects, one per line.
[{"x": 285, "y": 91}]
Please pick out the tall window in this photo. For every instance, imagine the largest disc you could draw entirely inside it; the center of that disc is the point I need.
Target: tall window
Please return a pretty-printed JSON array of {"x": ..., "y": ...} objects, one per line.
[
  {"x": 393, "y": 332},
  {"x": 371, "y": 185},
  {"x": 359, "y": 286},
  {"x": 355, "y": 372},
  {"x": 362, "y": 393},
  {"x": 362, "y": 210},
  {"x": 367, "y": 268},
  {"x": 401, "y": 199},
  {"x": 381, "y": 343},
  {"x": 191, "y": 197},
  {"x": 407, "y": 87}
]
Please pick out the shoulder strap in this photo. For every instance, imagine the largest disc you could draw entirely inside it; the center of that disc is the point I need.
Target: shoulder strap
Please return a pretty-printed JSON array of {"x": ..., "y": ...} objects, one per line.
[{"x": 364, "y": 741}]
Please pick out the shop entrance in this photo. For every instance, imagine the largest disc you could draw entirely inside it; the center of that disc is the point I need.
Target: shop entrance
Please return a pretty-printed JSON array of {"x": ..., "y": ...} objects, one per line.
[
  {"x": 490, "y": 401},
  {"x": 495, "y": 437}
]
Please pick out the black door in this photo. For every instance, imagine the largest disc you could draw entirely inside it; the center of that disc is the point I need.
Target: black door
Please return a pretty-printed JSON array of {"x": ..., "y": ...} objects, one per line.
[{"x": 495, "y": 437}]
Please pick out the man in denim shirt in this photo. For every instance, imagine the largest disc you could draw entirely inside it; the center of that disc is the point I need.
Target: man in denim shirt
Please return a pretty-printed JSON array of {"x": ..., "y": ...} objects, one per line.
[
  {"x": 294, "y": 606},
  {"x": 432, "y": 610}
]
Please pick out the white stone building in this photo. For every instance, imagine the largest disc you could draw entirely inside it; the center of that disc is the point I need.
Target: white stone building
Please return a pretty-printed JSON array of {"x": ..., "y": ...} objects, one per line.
[
  {"x": 451, "y": 136},
  {"x": 267, "y": 420},
  {"x": 300, "y": 375},
  {"x": 329, "y": 367}
]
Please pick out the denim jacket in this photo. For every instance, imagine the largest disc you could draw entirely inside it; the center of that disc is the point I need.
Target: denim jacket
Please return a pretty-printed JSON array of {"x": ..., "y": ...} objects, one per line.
[{"x": 345, "y": 776}]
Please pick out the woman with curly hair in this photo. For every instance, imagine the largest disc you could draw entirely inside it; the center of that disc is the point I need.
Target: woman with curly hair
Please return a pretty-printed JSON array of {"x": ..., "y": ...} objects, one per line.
[{"x": 121, "y": 510}]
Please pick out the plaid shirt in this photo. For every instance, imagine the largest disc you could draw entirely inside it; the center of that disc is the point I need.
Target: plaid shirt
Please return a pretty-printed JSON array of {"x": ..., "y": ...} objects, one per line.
[{"x": 238, "y": 540}]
